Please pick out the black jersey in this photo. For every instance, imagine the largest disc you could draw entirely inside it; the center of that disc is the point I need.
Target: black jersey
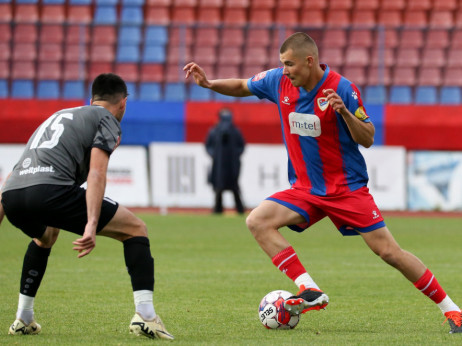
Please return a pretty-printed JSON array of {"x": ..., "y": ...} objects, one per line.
[{"x": 59, "y": 150}]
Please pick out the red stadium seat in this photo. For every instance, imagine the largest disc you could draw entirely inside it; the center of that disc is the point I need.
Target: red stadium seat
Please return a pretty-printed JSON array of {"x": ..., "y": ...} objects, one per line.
[
  {"x": 357, "y": 57},
  {"x": 104, "y": 34},
  {"x": 335, "y": 5},
  {"x": 289, "y": 4},
  {"x": 364, "y": 19},
  {"x": 258, "y": 37},
  {"x": 314, "y": 4},
  {"x": 157, "y": 15},
  {"x": 390, "y": 19},
  {"x": 77, "y": 34},
  {"x": 25, "y": 33},
  {"x": 26, "y": 13},
  {"x": 366, "y": 5},
  {"x": 152, "y": 73},
  {"x": 95, "y": 68},
  {"x": 419, "y": 5},
  {"x": 235, "y": 16},
  {"x": 49, "y": 70},
  {"x": 51, "y": 33},
  {"x": 437, "y": 38},
  {"x": 23, "y": 70},
  {"x": 458, "y": 19},
  {"x": 355, "y": 74},
  {"x": 312, "y": 18},
  {"x": 441, "y": 19},
  {"x": 332, "y": 56},
  {"x": 183, "y": 15},
  {"x": 185, "y": 3},
  {"x": 393, "y": 5},
  {"x": 412, "y": 38},
  {"x": 76, "y": 52},
  {"x": 102, "y": 53},
  {"x": 379, "y": 76},
  {"x": 232, "y": 36},
  {"x": 267, "y": 4},
  {"x": 338, "y": 18},
  {"x": 261, "y": 17},
  {"x": 179, "y": 54},
  {"x": 74, "y": 71},
  {"x": 237, "y": 3},
  {"x": 209, "y": 15},
  {"x": 53, "y": 14},
  {"x": 456, "y": 39},
  {"x": 361, "y": 38},
  {"x": 383, "y": 57},
  {"x": 404, "y": 76},
  {"x": 287, "y": 17},
  {"x": 387, "y": 38},
  {"x": 415, "y": 19},
  {"x": 255, "y": 56},
  {"x": 5, "y": 51},
  {"x": 230, "y": 56},
  {"x": 174, "y": 74},
  {"x": 79, "y": 14},
  {"x": 180, "y": 36},
  {"x": 4, "y": 69},
  {"x": 228, "y": 71},
  {"x": 211, "y": 3},
  {"x": 5, "y": 33},
  {"x": 251, "y": 70},
  {"x": 6, "y": 13},
  {"x": 454, "y": 57},
  {"x": 433, "y": 57},
  {"x": 52, "y": 52},
  {"x": 449, "y": 5},
  {"x": 452, "y": 76},
  {"x": 408, "y": 57},
  {"x": 206, "y": 36},
  {"x": 205, "y": 55},
  {"x": 24, "y": 52},
  {"x": 334, "y": 38},
  {"x": 128, "y": 71},
  {"x": 159, "y": 3},
  {"x": 429, "y": 76}
]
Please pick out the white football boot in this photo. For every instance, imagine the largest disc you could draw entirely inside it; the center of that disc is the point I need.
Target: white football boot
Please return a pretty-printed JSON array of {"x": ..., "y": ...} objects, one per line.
[
  {"x": 20, "y": 328},
  {"x": 151, "y": 329}
]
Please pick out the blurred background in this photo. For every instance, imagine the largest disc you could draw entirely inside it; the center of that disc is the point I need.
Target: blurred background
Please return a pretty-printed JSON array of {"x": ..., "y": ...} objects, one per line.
[{"x": 404, "y": 55}]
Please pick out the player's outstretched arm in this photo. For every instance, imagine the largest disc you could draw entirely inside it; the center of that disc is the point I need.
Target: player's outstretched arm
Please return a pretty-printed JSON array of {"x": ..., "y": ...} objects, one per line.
[{"x": 231, "y": 87}]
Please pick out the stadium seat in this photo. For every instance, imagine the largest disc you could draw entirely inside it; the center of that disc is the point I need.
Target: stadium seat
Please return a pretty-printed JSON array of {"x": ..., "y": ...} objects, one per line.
[
  {"x": 355, "y": 74},
  {"x": 387, "y": 38},
  {"x": 413, "y": 5},
  {"x": 232, "y": 37},
  {"x": 5, "y": 51},
  {"x": 102, "y": 53},
  {"x": 228, "y": 71},
  {"x": 255, "y": 56},
  {"x": 375, "y": 94},
  {"x": 105, "y": 15},
  {"x": 338, "y": 18},
  {"x": 136, "y": 3},
  {"x": 429, "y": 76},
  {"x": 24, "y": 52},
  {"x": 154, "y": 53},
  {"x": 415, "y": 19},
  {"x": 150, "y": 92},
  {"x": 364, "y": 19},
  {"x": 411, "y": 38},
  {"x": 258, "y": 37},
  {"x": 334, "y": 38},
  {"x": 224, "y": 98},
  {"x": 47, "y": 70},
  {"x": 152, "y": 73},
  {"x": 51, "y": 33},
  {"x": 267, "y": 4},
  {"x": 287, "y": 17},
  {"x": 230, "y": 56},
  {"x": 454, "y": 58},
  {"x": 234, "y": 16},
  {"x": 433, "y": 57},
  {"x": 361, "y": 38},
  {"x": 131, "y": 15},
  {"x": 426, "y": 95},
  {"x": 408, "y": 57},
  {"x": 237, "y": 4},
  {"x": 129, "y": 35},
  {"x": 175, "y": 92},
  {"x": 158, "y": 3},
  {"x": 77, "y": 34},
  {"x": 53, "y": 14},
  {"x": 204, "y": 55},
  {"x": 332, "y": 56},
  {"x": 251, "y": 70},
  {"x": 393, "y": 5},
  {"x": 52, "y": 52},
  {"x": 445, "y": 5},
  {"x": 389, "y": 18},
  {"x": 183, "y": 16},
  {"x": 379, "y": 76},
  {"x": 95, "y": 68},
  {"x": 211, "y": 3},
  {"x": 456, "y": 39},
  {"x": 452, "y": 76},
  {"x": 80, "y": 2},
  {"x": 4, "y": 90},
  {"x": 25, "y": 33},
  {"x": 155, "y": 34},
  {"x": 197, "y": 93},
  {"x": 404, "y": 76},
  {"x": 79, "y": 14},
  {"x": 22, "y": 89},
  {"x": 132, "y": 89},
  {"x": 185, "y": 3},
  {"x": 6, "y": 13},
  {"x": 206, "y": 37},
  {"x": 4, "y": 69},
  {"x": 314, "y": 17},
  {"x": 76, "y": 53},
  {"x": 26, "y": 13},
  {"x": 367, "y": 5},
  {"x": 208, "y": 16},
  {"x": 314, "y": 4},
  {"x": 74, "y": 71},
  {"x": 383, "y": 57},
  {"x": 441, "y": 20},
  {"x": 450, "y": 95},
  {"x": 437, "y": 38},
  {"x": 128, "y": 53},
  {"x": 289, "y": 4},
  {"x": 179, "y": 54},
  {"x": 156, "y": 15},
  {"x": 73, "y": 89},
  {"x": 5, "y": 33},
  {"x": 357, "y": 56},
  {"x": 174, "y": 73},
  {"x": 400, "y": 95},
  {"x": 261, "y": 17},
  {"x": 104, "y": 34},
  {"x": 180, "y": 36},
  {"x": 106, "y": 2},
  {"x": 48, "y": 89}
]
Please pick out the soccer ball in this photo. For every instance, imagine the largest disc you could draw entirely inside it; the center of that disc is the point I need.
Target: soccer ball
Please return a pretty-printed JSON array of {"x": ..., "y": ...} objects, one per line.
[{"x": 272, "y": 313}]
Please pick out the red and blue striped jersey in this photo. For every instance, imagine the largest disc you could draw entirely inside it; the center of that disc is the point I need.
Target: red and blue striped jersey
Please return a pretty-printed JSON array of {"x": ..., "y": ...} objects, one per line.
[{"x": 323, "y": 157}]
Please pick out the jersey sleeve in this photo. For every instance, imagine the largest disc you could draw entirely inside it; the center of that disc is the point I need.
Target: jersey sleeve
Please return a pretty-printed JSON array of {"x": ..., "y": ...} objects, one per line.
[
  {"x": 351, "y": 96},
  {"x": 107, "y": 137},
  {"x": 265, "y": 84}
]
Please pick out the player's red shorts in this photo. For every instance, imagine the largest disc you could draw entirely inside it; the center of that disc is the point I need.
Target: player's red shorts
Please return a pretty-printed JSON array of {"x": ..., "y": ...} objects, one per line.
[{"x": 351, "y": 213}]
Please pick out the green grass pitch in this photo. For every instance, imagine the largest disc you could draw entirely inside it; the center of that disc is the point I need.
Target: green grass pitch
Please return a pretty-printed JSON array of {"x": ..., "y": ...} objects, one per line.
[{"x": 211, "y": 275}]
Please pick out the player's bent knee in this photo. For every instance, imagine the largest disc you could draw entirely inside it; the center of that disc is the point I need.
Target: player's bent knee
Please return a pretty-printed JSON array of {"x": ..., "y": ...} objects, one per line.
[{"x": 48, "y": 238}]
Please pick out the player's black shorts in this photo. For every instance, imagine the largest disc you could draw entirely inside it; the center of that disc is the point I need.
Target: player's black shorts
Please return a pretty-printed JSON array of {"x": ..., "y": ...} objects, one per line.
[{"x": 33, "y": 208}]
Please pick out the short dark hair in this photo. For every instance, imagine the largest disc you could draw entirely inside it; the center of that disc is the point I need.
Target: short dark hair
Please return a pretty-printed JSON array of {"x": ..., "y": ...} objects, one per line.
[
  {"x": 108, "y": 87},
  {"x": 299, "y": 41}
]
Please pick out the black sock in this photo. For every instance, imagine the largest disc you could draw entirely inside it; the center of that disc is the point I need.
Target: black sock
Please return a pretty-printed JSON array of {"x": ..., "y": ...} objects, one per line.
[
  {"x": 139, "y": 262},
  {"x": 33, "y": 269}
]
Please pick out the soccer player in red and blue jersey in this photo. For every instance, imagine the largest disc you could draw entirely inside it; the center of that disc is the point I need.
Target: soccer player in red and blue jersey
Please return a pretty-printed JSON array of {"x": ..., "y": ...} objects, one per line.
[{"x": 323, "y": 121}]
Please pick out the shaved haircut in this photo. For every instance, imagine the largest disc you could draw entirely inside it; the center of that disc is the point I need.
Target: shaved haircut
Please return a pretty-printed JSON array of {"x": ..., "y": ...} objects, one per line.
[{"x": 300, "y": 43}]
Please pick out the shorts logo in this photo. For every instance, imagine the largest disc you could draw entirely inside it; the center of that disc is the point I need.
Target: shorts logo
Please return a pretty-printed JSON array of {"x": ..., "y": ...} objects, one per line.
[
  {"x": 26, "y": 163},
  {"x": 285, "y": 100},
  {"x": 323, "y": 103},
  {"x": 305, "y": 124},
  {"x": 375, "y": 215}
]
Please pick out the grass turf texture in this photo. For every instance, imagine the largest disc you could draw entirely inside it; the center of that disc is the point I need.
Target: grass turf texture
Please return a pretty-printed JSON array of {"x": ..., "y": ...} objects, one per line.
[{"x": 211, "y": 275}]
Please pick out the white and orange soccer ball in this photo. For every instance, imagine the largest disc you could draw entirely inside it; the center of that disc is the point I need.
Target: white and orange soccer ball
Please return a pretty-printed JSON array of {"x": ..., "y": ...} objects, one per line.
[{"x": 272, "y": 313}]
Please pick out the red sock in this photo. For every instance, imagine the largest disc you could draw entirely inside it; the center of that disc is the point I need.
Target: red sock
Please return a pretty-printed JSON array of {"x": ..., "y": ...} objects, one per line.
[
  {"x": 287, "y": 262},
  {"x": 429, "y": 286}
]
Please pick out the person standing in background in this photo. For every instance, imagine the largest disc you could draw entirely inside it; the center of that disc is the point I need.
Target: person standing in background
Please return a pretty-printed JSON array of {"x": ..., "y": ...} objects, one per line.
[{"x": 225, "y": 146}]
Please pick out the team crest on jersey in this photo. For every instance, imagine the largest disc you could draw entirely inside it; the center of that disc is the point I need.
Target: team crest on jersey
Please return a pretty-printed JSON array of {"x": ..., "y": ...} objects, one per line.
[
  {"x": 259, "y": 76},
  {"x": 323, "y": 103}
]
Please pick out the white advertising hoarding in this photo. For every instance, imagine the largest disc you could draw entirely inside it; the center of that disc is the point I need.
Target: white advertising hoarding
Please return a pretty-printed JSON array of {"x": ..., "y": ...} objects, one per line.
[{"x": 9, "y": 156}]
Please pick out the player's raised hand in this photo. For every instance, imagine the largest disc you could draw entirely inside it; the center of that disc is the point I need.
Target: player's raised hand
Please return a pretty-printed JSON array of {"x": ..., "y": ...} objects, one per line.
[
  {"x": 194, "y": 70},
  {"x": 335, "y": 100},
  {"x": 87, "y": 243}
]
